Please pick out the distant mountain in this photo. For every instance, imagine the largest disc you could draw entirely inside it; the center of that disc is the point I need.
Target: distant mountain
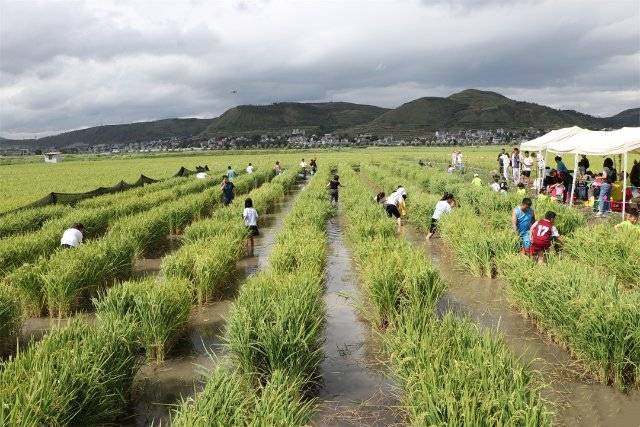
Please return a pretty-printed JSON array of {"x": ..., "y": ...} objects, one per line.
[
  {"x": 284, "y": 116},
  {"x": 630, "y": 117},
  {"x": 469, "y": 109},
  {"x": 117, "y": 134},
  {"x": 473, "y": 109}
]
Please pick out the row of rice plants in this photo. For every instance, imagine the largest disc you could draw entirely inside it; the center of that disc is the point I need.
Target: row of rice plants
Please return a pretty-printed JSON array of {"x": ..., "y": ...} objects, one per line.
[
  {"x": 451, "y": 371},
  {"x": 77, "y": 375},
  {"x": 274, "y": 330},
  {"x": 613, "y": 252},
  {"x": 579, "y": 295},
  {"x": 32, "y": 219},
  {"x": 215, "y": 245},
  {"x": 27, "y": 247},
  {"x": 59, "y": 282},
  {"x": 85, "y": 374}
]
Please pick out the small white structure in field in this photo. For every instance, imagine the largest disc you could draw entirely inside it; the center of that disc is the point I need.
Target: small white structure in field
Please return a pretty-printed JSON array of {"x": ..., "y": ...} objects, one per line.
[{"x": 53, "y": 157}]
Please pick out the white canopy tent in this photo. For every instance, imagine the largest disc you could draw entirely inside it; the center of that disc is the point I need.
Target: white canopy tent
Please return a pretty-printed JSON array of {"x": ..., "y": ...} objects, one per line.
[
  {"x": 541, "y": 144},
  {"x": 601, "y": 143}
]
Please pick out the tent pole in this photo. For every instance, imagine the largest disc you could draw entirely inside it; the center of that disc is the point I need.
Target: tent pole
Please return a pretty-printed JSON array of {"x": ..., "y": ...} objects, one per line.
[
  {"x": 624, "y": 186},
  {"x": 575, "y": 176}
]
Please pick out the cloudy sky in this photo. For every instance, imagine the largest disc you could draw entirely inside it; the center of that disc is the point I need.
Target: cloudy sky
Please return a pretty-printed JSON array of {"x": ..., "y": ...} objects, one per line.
[{"x": 71, "y": 64}]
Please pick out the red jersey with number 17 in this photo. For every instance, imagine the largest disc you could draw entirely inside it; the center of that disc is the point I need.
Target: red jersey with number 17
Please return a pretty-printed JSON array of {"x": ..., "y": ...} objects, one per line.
[{"x": 542, "y": 233}]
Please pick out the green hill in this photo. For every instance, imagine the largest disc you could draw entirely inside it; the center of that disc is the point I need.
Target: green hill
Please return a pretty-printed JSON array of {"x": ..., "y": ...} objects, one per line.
[
  {"x": 285, "y": 116},
  {"x": 630, "y": 117},
  {"x": 473, "y": 109},
  {"x": 469, "y": 109},
  {"x": 117, "y": 134}
]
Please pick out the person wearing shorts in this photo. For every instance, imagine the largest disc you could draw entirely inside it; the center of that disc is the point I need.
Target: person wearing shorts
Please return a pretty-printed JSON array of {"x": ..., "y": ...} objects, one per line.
[
  {"x": 250, "y": 216},
  {"x": 445, "y": 205},
  {"x": 522, "y": 218},
  {"x": 542, "y": 235},
  {"x": 392, "y": 203}
]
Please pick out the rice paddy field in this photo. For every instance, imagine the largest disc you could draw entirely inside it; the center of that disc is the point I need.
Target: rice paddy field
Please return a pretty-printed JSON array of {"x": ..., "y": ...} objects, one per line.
[{"x": 169, "y": 313}]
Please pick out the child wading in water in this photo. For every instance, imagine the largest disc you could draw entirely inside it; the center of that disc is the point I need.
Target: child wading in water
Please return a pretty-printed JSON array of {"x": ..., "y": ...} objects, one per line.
[
  {"x": 250, "y": 216},
  {"x": 542, "y": 234},
  {"x": 445, "y": 205}
]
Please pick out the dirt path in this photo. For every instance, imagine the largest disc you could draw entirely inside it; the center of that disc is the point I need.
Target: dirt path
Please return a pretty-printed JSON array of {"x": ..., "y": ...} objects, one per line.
[{"x": 355, "y": 391}]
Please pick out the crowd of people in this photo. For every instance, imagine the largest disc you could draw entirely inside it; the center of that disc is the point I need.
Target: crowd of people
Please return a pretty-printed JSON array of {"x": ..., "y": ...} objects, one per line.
[{"x": 536, "y": 236}]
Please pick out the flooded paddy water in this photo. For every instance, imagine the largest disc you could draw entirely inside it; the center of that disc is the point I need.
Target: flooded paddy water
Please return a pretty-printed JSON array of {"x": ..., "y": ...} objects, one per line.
[
  {"x": 157, "y": 388},
  {"x": 355, "y": 390},
  {"x": 577, "y": 400}
]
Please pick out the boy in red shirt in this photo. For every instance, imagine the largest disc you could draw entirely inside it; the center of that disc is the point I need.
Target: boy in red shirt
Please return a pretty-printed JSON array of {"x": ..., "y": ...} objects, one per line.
[{"x": 542, "y": 233}]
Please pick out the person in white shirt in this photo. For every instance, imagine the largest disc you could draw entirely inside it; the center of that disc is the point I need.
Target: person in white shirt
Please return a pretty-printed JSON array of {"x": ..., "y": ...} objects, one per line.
[
  {"x": 495, "y": 185},
  {"x": 516, "y": 160},
  {"x": 451, "y": 169},
  {"x": 391, "y": 205},
  {"x": 249, "y": 168},
  {"x": 72, "y": 237},
  {"x": 454, "y": 157},
  {"x": 527, "y": 165},
  {"x": 459, "y": 162},
  {"x": 445, "y": 205},
  {"x": 202, "y": 175},
  {"x": 250, "y": 216},
  {"x": 506, "y": 160}
]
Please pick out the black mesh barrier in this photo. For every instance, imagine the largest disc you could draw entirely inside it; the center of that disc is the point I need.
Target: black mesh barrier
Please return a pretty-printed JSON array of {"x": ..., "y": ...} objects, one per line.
[
  {"x": 186, "y": 172},
  {"x": 72, "y": 198}
]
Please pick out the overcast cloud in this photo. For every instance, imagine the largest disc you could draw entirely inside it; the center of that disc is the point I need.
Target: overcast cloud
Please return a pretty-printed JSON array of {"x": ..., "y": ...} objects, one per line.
[{"x": 71, "y": 64}]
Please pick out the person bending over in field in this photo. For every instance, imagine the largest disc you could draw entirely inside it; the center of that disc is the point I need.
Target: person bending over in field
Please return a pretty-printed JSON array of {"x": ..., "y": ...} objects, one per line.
[
  {"x": 250, "y": 216},
  {"x": 228, "y": 190},
  {"x": 392, "y": 205},
  {"x": 333, "y": 186},
  {"x": 522, "y": 218},
  {"x": 249, "y": 169},
  {"x": 542, "y": 235},
  {"x": 72, "y": 237},
  {"x": 444, "y": 206}
]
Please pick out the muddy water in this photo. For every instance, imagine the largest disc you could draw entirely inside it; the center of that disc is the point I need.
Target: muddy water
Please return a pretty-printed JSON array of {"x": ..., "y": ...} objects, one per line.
[
  {"x": 158, "y": 387},
  {"x": 355, "y": 390},
  {"x": 577, "y": 400}
]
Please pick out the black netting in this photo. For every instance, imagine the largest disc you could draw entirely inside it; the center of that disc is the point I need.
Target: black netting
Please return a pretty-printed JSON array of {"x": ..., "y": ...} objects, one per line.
[
  {"x": 71, "y": 198},
  {"x": 186, "y": 172}
]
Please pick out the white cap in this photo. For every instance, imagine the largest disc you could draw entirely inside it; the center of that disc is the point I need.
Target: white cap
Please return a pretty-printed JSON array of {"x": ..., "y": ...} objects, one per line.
[{"x": 475, "y": 175}]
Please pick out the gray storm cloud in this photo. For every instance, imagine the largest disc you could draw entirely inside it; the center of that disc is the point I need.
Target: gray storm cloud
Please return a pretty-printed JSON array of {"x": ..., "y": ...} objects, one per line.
[{"x": 68, "y": 64}]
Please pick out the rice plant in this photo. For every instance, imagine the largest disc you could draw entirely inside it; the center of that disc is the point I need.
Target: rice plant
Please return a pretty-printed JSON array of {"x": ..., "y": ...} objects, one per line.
[
  {"x": 229, "y": 399},
  {"x": 206, "y": 264},
  {"x": 613, "y": 252},
  {"x": 276, "y": 323},
  {"x": 77, "y": 375},
  {"x": 11, "y": 314},
  {"x": 160, "y": 310},
  {"x": 452, "y": 373},
  {"x": 583, "y": 309}
]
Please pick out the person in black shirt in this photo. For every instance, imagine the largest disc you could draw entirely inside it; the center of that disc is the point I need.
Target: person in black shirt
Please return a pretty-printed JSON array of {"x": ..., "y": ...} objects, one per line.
[
  {"x": 583, "y": 165},
  {"x": 228, "y": 190},
  {"x": 333, "y": 186}
]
